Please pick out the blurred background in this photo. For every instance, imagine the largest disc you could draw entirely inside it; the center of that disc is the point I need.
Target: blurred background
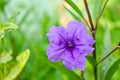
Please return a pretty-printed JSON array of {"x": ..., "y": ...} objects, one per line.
[{"x": 35, "y": 17}]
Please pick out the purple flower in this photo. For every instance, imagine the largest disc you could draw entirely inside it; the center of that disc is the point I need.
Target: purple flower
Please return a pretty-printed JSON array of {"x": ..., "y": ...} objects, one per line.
[{"x": 71, "y": 45}]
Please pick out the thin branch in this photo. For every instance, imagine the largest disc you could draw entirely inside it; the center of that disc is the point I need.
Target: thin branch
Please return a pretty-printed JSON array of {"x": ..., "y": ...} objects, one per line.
[
  {"x": 93, "y": 34},
  {"x": 82, "y": 75},
  {"x": 94, "y": 55},
  {"x": 101, "y": 13},
  {"x": 87, "y": 24},
  {"x": 108, "y": 55},
  {"x": 71, "y": 3},
  {"x": 89, "y": 16}
]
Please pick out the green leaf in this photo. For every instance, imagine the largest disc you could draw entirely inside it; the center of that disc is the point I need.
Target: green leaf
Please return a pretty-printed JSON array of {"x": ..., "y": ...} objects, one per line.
[
  {"x": 103, "y": 7},
  {"x": 21, "y": 60},
  {"x": 13, "y": 18},
  {"x": 25, "y": 16},
  {"x": 1, "y": 34},
  {"x": 5, "y": 57},
  {"x": 9, "y": 26},
  {"x": 73, "y": 5},
  {"x": 58, "y": 66},
  {"x": 112, "y": 70},
  {"x": 107, "y": 39},
  {"x": 2, "y": 4},
  {"x": 91, "y": 60},
  {"x": 74, "y": 16},
  {"x": 101, "y": 11},
  {"x": 72, "y": 75},
  {"x": 96, "y": 8}
]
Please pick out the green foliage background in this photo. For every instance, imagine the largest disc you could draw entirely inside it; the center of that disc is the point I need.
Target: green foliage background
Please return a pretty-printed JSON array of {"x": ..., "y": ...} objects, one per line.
[{"x": 35, "y": 17}]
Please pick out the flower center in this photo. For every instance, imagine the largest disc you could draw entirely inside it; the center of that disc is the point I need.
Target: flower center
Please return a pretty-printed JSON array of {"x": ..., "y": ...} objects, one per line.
[{"x": 70, "y": 45}]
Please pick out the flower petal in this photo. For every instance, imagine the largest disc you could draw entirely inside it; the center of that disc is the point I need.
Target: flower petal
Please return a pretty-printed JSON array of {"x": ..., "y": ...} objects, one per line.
[
  {"x": 76, "y": 52},
  {"x": 68, "y": 65},
  {"x": 72, "y": 63},
  {"x": 84, "y": 39},
  {"x": 80, "y": 63},
  {"x": 75, "y": 28},
  {"x": 60, "y": 47},
  {"x": 55, "y": 53},
  {"x": 85, "y": 50},
  {"x": 68, "y": 60},
  {"x": 56, "y": 35},
  {"x": 88, "y": 40}
]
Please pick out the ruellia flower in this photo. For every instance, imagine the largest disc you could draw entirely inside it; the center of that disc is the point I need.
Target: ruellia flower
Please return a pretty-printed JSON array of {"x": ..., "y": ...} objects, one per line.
[{"x": 71, "y": 45}]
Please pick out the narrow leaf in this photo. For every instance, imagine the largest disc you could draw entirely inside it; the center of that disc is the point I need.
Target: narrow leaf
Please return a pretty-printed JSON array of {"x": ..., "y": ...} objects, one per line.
[
  {"x": 9, "y": 26},
  {"x": 74, "y": 16},
  {"x": 5, "y": 57},
  {"x": 101, "y": 12},
  {"x": 13, "y": 18},
  {"x": 107, "y": 39},
  {"x": 25, "y": 15},
  {"x": 112, "y": 70},
  {"x": 2, "y": 5},
  {"x": 73, "y": 5},
  {"x": 21, "y": 60},
  {"x": 91, "y": 60},
  {"x": 1, "y": 34},
  {"x": 72, "y": 75},
  {"x": 97, "y": 7}
]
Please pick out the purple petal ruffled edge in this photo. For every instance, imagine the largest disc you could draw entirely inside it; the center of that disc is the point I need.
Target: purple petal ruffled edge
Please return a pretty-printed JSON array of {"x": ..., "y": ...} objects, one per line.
[{"x": 57, "y": 40}]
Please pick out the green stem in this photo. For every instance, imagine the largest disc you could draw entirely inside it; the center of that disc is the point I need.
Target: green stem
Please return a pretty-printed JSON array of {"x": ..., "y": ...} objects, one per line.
[
  {"x": 101, "y": 13},
  {"x": 71, "y": 3},
  {"x": 3, "y": 44},
  {"x": 93, "y": 34},
  {"x": 89, "y": 16},
  {"x": 1, "y": 72},
  {"x": 82, "y": 75},
  {"x": 94, "y": 55},
  {"x": 107, "y": 55},
  {"x": 77, "y": 17}
]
